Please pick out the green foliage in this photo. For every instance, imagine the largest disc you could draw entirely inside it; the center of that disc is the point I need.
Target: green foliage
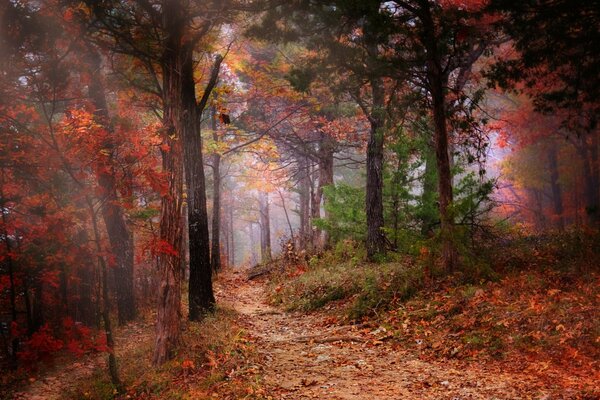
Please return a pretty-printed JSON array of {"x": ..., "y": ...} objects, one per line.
[
  {"x": 400, "y": 198},
  {"x": 472, "y": 199},
  {"x": 346, "y": 213},
  {"x": 300, "y": 79}
]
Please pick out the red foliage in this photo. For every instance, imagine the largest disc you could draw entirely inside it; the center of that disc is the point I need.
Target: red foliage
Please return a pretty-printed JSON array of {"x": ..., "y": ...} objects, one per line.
[{"x": 41, "y": 345}]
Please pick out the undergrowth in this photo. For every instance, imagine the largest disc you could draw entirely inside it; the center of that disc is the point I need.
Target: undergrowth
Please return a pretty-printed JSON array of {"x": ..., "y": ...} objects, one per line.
[
  {"x": 340, "y": 275},
  {"x": 214, "y": 356}
]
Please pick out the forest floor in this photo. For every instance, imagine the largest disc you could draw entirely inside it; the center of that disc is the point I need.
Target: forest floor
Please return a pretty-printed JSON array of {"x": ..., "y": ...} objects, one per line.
[
  {"x": 273, "y": 354},
  {"x": 308, "y": 355}
]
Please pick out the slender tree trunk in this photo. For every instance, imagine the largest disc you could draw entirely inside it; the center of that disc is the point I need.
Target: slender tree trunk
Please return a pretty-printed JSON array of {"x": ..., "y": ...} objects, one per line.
[
  {"x": 304, "y": 191},
  {"x": 265, "y": 228},
  {"x": 396, "y": 201},
  {"x": 428, "y": 218},
  {"x": 326, "y": 151},
  {"x": 64, "y": 289},
  {"x": 557, "y": 200},
  {"x": 11, "y": 279},
  {"x": 252, "y": 244},
  {"x": 287, "y": 216},
  {"x": 232, "y": 237},
  {"x": 225, "y": 235},
  {"x": 119, "y": 234},
  {"x": 436, "y": 80},
  {"x": 315, "y": 208},
  {"x": 86, "y": 312},
  {"x": 110, "y": 342},
  {"x": 215, "y": 254},
  {"x": 171, "y": 231},
  {"x": 374, "y": 196}
]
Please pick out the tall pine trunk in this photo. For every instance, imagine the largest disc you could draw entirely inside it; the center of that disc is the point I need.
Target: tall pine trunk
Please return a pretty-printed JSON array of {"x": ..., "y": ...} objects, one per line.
[
  {"x": 437, "y": 81},
  {"x": 171, "y": 229},
  {"x": 119, "y": 234},
  {"x": 305, "y": 230},
  {"x": 374, "y": 196},
  {"x": 326, "y": 150},
  {"x": 201, "y": 296}
]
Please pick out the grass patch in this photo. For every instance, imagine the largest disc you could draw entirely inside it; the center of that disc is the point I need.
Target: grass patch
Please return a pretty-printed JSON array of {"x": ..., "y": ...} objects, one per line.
[{"x": 361, "y": 289}]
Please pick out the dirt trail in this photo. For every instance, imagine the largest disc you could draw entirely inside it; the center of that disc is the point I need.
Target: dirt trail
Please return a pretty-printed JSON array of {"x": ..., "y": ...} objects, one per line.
[
  {"x": 301, "y": 359},
  {"x": 307, "y": 356}
]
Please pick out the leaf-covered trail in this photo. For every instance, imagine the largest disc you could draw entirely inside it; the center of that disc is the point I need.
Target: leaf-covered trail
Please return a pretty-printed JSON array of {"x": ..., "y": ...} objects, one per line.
[{"x": 305, "y": 356}]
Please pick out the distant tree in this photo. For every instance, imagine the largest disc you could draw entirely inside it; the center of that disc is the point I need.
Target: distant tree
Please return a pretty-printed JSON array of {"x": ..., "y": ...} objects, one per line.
[{"x": 556, "y": 63}]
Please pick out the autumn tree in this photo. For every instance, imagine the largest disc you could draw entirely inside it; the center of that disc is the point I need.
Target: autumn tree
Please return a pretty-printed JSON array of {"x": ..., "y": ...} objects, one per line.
[{"x": 548, "y": 36}]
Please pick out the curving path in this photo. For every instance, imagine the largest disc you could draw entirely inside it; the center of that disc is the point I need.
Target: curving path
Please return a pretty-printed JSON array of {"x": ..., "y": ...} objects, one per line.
[{"x": 306, "y": 357}]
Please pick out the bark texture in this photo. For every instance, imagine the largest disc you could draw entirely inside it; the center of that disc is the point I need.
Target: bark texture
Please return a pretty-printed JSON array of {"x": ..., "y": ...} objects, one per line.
[
  {"x": 437, "y": 81},
  {"x": 326, "y": 151},
  {"x": 201, "y": 297},
  {"x": 374, "y": 196},
  {"x": 265, "y": 228},
  {"x": 215, "y": 253},
  {"x": 171, "y": 229}
]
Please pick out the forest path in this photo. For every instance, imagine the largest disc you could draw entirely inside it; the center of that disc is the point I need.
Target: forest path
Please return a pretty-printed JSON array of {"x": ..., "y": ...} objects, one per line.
[{"x": 305, "y": 355}]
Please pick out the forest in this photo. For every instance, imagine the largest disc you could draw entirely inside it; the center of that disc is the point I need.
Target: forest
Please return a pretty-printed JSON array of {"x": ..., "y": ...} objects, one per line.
[{"x": 294, "y": 199}]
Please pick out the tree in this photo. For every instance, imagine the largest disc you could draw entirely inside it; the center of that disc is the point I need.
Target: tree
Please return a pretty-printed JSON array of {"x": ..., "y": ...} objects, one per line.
[
  {"x": 172, "y": 38},
  {"x": 557, "y": 64},
  {"x": 345, "y": 53},
  {"x": 384, "y": 47}
]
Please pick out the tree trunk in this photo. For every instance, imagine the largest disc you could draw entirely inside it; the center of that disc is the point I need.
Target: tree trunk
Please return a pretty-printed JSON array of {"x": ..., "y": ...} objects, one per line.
[
  {"x": 326, "y": 151},
  {"x": 396, "y": 182},
  {"x": 265, "y": 228},
  {"x": 287, "y": 216},
  {"x": 428, "y": 217},
  {"x": 374, "y": 196},
  {"x": 252, "y": 244},
  {"x": 557, "y": 201},
  {"x": 85, "y": 305},
  {"x": 110, "y": 342},
  {"x": 315, "y": 208},
  {"x": 11, "y": 279},
  {"x": 171, "y": 231},
  {"x": 589, "y": 154},
  {"x": 304, "y": 191},
  {"x": 436, "y": 81},
  {"x": 225, "y": 235},
  {"x": 201, "y": 297},
  {"x": 119, "y": 234},
  {"x": 215, "y": 254}
]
